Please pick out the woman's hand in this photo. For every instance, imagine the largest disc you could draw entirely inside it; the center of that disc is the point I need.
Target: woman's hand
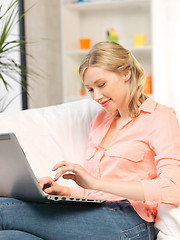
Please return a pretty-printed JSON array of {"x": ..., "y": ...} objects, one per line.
[
  {"x": 77, "y": 173},
  {"x": 48, "y": 185},
  {"x": 126, "y": 189}
]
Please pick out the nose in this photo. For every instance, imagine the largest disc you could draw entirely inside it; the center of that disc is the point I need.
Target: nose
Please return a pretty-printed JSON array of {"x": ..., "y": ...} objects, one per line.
[{"x": 97, "y": 95}]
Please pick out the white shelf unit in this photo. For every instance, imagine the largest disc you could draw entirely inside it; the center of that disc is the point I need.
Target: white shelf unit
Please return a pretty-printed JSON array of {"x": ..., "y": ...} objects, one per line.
[{"x": 92, "y": 20}]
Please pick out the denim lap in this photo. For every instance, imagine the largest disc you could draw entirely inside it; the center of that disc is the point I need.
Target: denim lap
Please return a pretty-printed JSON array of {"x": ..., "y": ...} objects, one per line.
[
  {"x": 77, "y": 221},
  {"x": 17, "y": 235}
]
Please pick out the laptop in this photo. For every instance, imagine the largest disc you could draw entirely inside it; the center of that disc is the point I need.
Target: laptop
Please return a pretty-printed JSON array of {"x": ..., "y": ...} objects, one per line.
[{"x": 17, "y": 179}]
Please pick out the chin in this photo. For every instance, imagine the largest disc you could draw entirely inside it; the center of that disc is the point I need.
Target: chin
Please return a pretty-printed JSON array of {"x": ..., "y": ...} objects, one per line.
[{"x": 111, "y": 111}]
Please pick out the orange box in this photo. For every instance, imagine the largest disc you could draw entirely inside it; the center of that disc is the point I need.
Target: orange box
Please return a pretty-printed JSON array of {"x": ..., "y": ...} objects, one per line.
[
  {"x": 84, "y": 43},
  {"x": 148, "y": 85}
]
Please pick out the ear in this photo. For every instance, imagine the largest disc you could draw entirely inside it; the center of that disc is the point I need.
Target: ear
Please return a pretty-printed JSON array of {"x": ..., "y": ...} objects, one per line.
[{"x": 127, "y": 74}]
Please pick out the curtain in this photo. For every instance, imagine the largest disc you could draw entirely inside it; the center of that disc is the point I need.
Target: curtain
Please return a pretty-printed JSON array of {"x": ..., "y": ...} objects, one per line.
[{"x": 166, "y": 52}]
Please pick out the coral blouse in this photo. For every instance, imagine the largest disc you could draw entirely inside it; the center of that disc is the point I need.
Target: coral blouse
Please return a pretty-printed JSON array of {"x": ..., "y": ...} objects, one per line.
[{"x": 147, "y": 149}]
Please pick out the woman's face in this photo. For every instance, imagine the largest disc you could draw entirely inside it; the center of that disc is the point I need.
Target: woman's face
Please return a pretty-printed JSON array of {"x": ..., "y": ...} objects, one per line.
[{"x": 109, "y": 89}]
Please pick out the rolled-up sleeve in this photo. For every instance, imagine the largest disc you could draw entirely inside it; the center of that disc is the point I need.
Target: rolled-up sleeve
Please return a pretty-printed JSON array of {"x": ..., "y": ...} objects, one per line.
[{"x": 164, "y": 139}]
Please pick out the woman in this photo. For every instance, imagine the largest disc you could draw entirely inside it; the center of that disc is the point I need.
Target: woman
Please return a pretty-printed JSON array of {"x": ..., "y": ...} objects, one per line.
[{"x": 132, "y": 162}]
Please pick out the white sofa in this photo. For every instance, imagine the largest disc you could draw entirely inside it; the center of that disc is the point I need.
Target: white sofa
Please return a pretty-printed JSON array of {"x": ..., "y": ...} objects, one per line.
[{"x": 51, "y": 134}]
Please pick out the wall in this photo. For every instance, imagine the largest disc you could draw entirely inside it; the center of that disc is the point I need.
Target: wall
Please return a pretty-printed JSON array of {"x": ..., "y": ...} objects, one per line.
[{"x": 42, "y": 27}]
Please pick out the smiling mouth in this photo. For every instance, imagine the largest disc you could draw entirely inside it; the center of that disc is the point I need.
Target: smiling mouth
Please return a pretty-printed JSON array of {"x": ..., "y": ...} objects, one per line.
[{"x": 105, "y": 103}]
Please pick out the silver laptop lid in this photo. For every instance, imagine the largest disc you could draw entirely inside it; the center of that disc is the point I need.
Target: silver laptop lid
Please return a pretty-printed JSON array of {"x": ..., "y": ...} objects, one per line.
[{"x": 17, "y": 179}]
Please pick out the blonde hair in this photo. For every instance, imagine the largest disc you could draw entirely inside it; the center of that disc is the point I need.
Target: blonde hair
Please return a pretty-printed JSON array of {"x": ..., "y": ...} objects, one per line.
[{"x": 113, "y": 57}]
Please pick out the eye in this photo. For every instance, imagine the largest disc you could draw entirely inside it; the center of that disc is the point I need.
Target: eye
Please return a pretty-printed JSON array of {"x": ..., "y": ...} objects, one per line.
[
  {"x": 101, "y": 85},
  {"x": 90, "y": 90}
]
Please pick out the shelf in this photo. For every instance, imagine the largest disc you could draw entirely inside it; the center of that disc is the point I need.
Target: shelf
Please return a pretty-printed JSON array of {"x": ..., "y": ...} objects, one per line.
[
  {"x": 92, "y": 20},
  {"x": 106, "y": 4},
  {"x": 84, "y": 52},
  {"x": 77, "y": 52},
  {"x": 141, "y": 49}
]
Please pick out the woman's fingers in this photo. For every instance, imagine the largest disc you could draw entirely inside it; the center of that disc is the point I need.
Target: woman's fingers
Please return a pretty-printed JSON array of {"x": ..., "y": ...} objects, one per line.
[
  {"x": 58, "y": 190},
  {"x": 75, "y": 172},
  {"x": 64, "y": 167},
  {"x": 52, "y": 190},
  {"x": 69, "y": 176},
  {"x": 44, "y": 182},
  {"x": 58, "y": 165},
  {"x": 48, "y": 185},
  {"x": 62, "y": 171}
]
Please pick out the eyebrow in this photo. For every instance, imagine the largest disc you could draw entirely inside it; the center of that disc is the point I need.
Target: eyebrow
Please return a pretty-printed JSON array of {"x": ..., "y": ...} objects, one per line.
[{"x": 86, "y": 85}]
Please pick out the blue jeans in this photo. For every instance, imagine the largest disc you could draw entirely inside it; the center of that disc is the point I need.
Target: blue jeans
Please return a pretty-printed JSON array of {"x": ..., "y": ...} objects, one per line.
[{"x": 66, "y": 221}]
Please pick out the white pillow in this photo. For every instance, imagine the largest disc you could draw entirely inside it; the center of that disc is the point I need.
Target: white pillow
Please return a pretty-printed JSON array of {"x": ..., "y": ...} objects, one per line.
[{"x": 168, "y": 220}]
